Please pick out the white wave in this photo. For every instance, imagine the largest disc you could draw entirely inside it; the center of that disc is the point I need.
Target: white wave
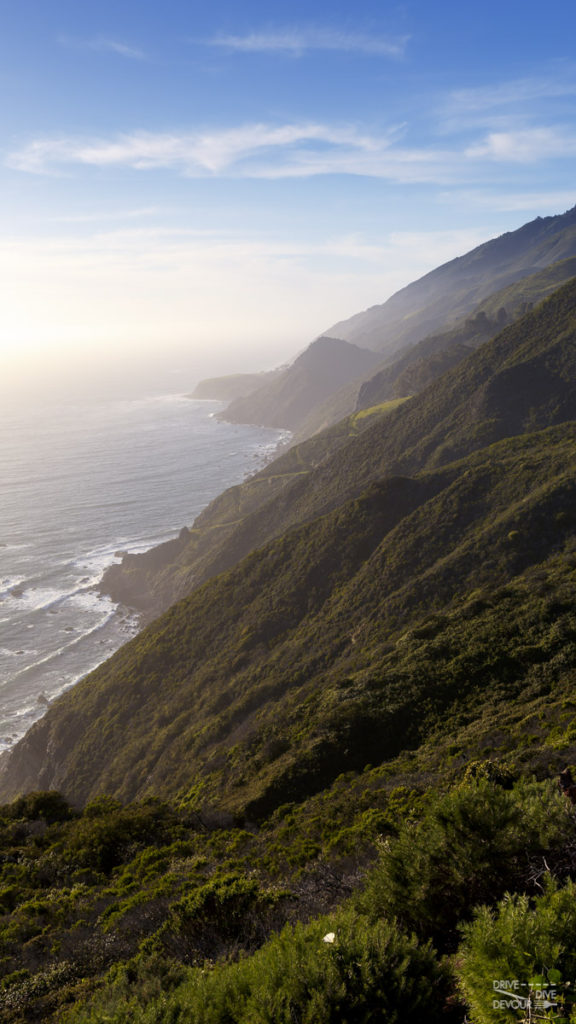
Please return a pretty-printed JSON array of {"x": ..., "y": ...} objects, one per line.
[
  {"x": 53, "y": 655},
  {"x": 100, "y": 559},
  {"x": 37, "y": 599},
  {"x": 23, "y": 712},
  {"x": 8, "y": 584}
]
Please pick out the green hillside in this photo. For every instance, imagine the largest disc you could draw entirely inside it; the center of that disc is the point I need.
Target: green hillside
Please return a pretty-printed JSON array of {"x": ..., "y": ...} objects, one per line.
[
  {"x": 244, "y": 692},
  {"x": 320, "y": 787},
  {"x": 491, "y": 395}
]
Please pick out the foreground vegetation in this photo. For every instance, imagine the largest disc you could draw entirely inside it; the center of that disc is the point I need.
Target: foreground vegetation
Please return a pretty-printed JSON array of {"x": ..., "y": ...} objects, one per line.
[{"x": 144, "y": 914}]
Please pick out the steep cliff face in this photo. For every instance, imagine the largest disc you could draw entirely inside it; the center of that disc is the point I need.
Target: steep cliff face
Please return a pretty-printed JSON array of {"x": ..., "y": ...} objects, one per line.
[
  {"x": 338, "y": 640},
  {"x": 446, "y": 421}
]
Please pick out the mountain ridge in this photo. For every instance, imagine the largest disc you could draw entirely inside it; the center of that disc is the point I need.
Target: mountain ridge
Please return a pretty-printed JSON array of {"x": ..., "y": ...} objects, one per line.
[{"x": 453, "y": 289}]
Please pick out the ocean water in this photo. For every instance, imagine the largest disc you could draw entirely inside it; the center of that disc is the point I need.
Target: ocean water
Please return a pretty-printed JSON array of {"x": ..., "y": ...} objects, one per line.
[{"x": 80, "y": 481}]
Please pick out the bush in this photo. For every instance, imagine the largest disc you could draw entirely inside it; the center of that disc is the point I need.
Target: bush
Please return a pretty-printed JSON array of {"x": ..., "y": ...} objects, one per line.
[
  {"x": 472, "y": 846},
  {"x": 108, "y": 834},
  {"x": 529, "y": 942},
  {"x": 220, "y": 918},
  {"x": 370, "y": 972},
  {"x": 49, "y": 806}
]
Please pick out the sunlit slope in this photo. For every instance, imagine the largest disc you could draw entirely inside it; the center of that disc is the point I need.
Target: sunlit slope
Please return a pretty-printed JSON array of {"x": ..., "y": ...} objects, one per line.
[
  {"x": 271, "y": 679},
  {"x": 517, "y": 382},
  {"x": 422, "y": 363}
]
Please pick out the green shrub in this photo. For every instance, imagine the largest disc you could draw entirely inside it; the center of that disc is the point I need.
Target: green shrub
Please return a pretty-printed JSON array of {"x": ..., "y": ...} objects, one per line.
[
  {"x": 491, "y": 771},
  {"x": 370, "y": 972},
  {"x": 470, "y": 848},
  {"x": 529, "y": 942},
  {"x": 220, "y": 918},
  {"x": 49, "y": 806},
  {"x": 109, "y": 834}
]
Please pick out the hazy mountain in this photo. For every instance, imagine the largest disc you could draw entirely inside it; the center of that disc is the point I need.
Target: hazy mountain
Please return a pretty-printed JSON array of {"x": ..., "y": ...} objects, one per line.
[
  {"x": 233, "y": 385},
  {"x": 289, "y": 397},
  {"x": 422, "y": 363},
  {"x": 274, "y": 499},
  {"x": 464, "y": 302},
  {"x": 453, "y": 290}
]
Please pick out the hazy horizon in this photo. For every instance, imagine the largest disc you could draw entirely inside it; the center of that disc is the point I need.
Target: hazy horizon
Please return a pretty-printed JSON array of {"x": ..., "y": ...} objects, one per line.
[{"x": 228, "y": 182}]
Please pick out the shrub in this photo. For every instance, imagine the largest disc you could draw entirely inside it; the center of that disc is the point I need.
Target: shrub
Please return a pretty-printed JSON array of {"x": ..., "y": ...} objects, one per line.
[
  {"x": 49, "y": 806},
  {"x": 220, "y": 918},
  {"x": 370, "y": 972},
  {"x": 472, "y": 845},
  {"x": 529, "y": 942}
]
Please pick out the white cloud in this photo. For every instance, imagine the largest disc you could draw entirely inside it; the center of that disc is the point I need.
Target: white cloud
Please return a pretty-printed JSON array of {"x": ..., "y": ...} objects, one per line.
[
  {"x": 250, "y": 151},
  {"x": 520, "y": 90},
  {"x": 297, "y": 42},
  {"x": 199, "y": 153},
  {"x": 103, "y": 44},
  {"x": 112, "y": 215},
  {"x": 297, "y": 150},
  {"x": 525, "y": 146},
  {"x": 114, "y": 46}
]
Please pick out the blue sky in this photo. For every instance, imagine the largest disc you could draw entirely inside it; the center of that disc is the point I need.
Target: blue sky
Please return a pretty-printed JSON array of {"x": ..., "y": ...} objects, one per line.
[{"x": 233, "y": 178}]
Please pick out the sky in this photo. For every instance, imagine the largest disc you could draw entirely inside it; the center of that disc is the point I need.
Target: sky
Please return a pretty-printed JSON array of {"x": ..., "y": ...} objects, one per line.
[{"x": 224, "y": 181}]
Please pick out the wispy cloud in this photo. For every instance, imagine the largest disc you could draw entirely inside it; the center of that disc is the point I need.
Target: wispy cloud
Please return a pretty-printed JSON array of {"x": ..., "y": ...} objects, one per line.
[
  {"x": 103, "y": 44},
  {"x": 111, "y": 215},
  {"x": 525, "y": 146},
  {"x": 297, "y": 42},
  {"x": 520, "y": 90},
  {"x": 300, "y": 150},
  {"x": 249, "y": 150},
  {"x": 508, "y": 106}
]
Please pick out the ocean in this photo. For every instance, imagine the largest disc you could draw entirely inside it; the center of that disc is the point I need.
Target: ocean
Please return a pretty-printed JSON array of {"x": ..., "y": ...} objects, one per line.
[{"x": 81, "y": 480}]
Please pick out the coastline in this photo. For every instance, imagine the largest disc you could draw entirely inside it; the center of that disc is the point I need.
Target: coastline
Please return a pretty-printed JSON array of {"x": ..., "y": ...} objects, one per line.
[
  {"x": 117, "y": 475},
  {"x": 118, "y": 613}
]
